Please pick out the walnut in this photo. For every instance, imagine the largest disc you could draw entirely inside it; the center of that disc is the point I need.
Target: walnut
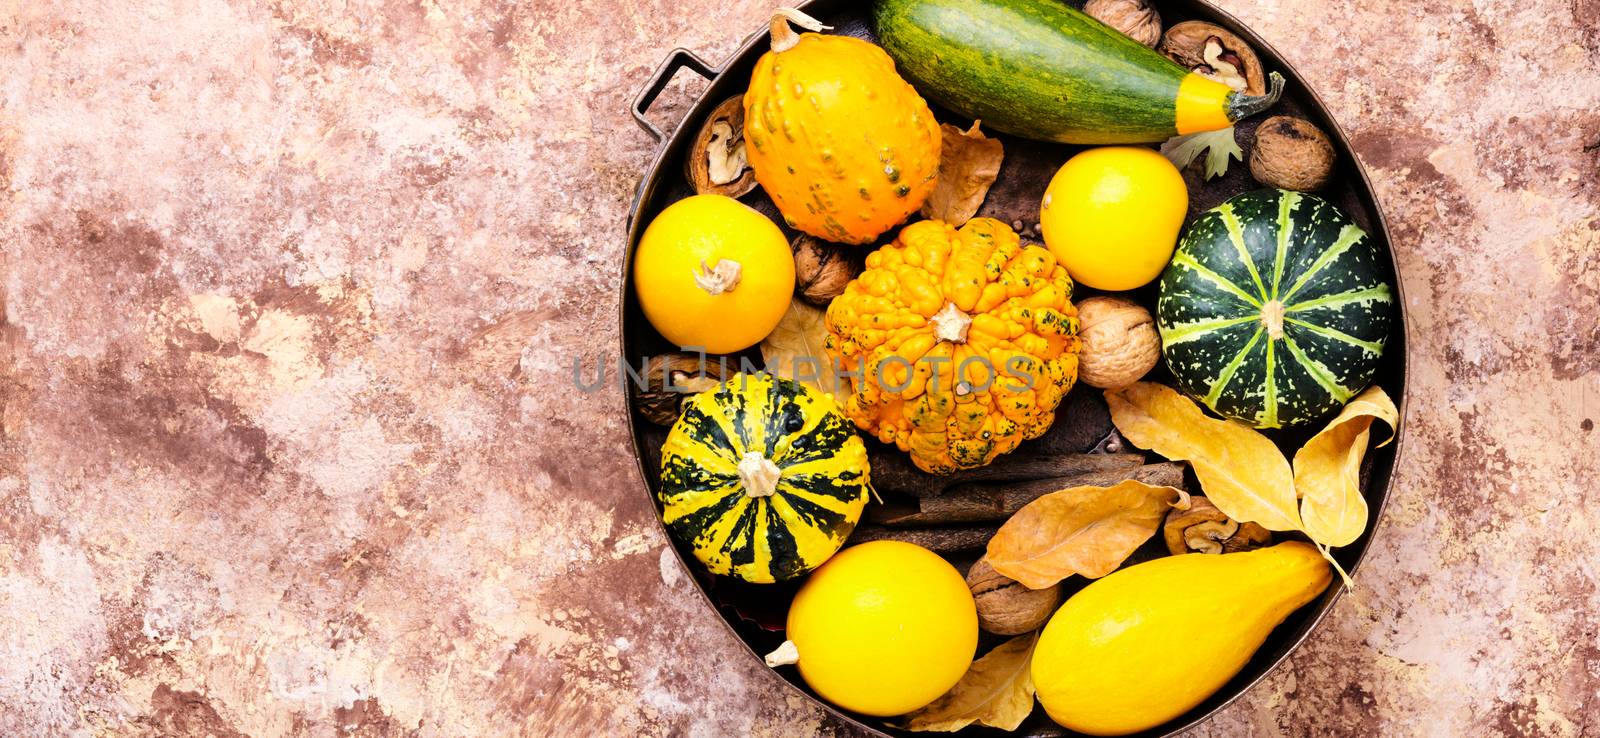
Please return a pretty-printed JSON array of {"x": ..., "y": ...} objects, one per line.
[
  {"x": 1120, "y": 343},
  {"x": 717, "y": 164},
  {"x": 1214, "y": 52},
  {"x": 1203, "y": 528},
  {"x": 821, "y": 270},
  {"x": 1135, "y": 18},
  {"x": 1005, "y": 607},
  {"x": 1291, "y": 154}
]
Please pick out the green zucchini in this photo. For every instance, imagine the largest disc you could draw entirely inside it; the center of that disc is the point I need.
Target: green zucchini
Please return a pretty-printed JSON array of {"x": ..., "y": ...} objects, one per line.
[{"x": 1043, "y": 70}]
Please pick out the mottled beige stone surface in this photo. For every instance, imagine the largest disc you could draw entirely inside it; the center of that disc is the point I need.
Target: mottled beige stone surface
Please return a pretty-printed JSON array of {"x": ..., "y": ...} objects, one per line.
[{"x": 289, "y": 448}]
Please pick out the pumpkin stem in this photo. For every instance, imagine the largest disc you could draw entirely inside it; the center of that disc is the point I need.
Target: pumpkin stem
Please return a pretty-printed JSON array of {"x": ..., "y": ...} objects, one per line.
[
  {"x": 1241, "y": 106},
  {"x": 783, "y": 37},
  {"x": 758, "y": 475},
  {"x": 784, "y": 655},
  {"x": 1272, "y": 318},
  {"x": 718, "y": 279},
  {"x": 950, "y": 324}
]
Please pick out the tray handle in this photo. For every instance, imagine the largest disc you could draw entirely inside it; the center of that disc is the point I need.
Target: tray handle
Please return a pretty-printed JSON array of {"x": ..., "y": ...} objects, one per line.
[{"x": 679, "y": 58}]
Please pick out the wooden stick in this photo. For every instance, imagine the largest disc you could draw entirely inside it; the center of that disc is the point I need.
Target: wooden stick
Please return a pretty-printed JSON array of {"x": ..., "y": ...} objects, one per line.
[
  {"x": 938, "y": 540},
  {"x": 973, "y": 502},
  {"x": 892, "y": 471}
]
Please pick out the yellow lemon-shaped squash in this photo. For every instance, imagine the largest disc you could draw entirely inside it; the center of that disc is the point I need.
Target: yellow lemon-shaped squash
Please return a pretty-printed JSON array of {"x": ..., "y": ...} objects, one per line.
[
  {"x": 883, "y": 628},
  {"x": 713, "y": 273},
  {"x": 1111, "y": 216},
  {"x": 1149, "y": 642}
]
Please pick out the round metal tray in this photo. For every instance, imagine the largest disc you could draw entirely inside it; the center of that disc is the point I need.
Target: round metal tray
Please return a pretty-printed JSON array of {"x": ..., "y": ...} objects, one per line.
[{"x": 754, "y": 614}]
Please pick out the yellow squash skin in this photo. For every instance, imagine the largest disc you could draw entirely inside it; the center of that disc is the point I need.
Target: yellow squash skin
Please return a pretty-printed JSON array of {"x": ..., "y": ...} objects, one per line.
[
  {"x": 896, "y": 326},
  {"x": 839, "y": 141},
  {"x": 700, "y": 233},
  {"x": 884, "y": 628},
  {"x": 1149, "y": 642}
]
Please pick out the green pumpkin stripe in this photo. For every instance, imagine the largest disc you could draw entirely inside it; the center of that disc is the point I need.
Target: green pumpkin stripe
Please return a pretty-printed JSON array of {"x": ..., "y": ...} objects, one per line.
[
  {"x": 1185, "y": 261},
  {"x": 1236, "y": 236},
  {"x": 1318, "y": 372},
  {"x": 1286, "y": 204},
  {"x": 1271, "y": 415},
  {"x": 740, "y": 546},
  {"x": 683, "y": 475},
  {"x": 821, "y": 441},
  {"x": 739, "y": 416},
  {"x": 783, "y": 553},
  {"x": 845, "y": 487},
  {"x": 1232, "y": 368},
  {"x": 1181, "y": 332},
  {"x": 1347, "y": 237},
  {"x": 1337, "y": 335},
  {"x": 821, "y": 518},
  {"x": 704, "y": 429},
  {"x": 1359, "y": 296},
  {"x": 782, "y": 404},
  {"x": 697, "y": 526}
]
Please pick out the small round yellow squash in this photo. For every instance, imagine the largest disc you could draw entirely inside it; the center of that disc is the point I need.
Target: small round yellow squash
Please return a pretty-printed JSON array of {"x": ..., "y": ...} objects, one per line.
[
  {"x": 842, "y": 144},
  {"x": 1111, "y": 215},
  {"x": 882, "y": 628},
  {"x": 713, "y": 273}
]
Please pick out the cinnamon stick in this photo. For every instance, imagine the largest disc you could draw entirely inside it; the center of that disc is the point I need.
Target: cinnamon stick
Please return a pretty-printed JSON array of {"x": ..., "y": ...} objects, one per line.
[{"x": 973, "y": 502}]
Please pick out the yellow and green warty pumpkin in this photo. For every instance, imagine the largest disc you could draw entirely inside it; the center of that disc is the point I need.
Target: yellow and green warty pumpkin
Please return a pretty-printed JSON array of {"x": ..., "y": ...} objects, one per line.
[{"x": 763, "y": 478}]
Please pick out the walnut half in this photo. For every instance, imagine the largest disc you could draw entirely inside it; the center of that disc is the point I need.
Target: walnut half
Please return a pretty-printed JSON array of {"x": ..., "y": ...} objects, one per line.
[
  {"x": 717, "y": 164},
  {"x": 1213, "y": 51},
  {"x": 1204, "y": 529}
]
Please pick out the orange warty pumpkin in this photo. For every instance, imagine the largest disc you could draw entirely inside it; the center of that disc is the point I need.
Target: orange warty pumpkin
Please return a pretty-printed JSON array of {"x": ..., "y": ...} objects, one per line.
[
  {"x": 842, "y": 144},
  {"x": 960, "y": 342}
]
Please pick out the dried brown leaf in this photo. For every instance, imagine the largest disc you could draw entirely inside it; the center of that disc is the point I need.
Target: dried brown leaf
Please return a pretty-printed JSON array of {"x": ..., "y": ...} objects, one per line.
[
  {"x": 996, "y": 691},
  {"x": 1081, "y": 530},
  {"x": 969, "y": 162},
  {"x": 794, "y": 351},
  {"x": 1241, "y": 471}
]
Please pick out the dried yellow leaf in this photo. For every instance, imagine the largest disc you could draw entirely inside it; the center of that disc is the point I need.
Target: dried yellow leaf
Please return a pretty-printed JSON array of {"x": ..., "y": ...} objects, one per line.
[
  {"x": 1080, "y": 530},
  {"x": 1327, "y": 470},
  {"x": 996, "y": 691},
  {"x": 1241, "y": 471},
  {"x": 794, "y": 351},
  {"x": 969, "y": 162}
]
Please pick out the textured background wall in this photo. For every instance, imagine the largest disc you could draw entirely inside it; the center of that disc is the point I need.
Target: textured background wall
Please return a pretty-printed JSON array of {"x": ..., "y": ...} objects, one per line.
[{"x": 289, "y": 446}]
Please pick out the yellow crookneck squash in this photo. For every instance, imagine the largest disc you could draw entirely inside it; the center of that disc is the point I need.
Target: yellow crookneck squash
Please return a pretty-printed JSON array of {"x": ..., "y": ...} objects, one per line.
[
  {"x": 960, "y": 342},
  {"x": 842, "y": 144},
  {"x": 763, "y": 478}
]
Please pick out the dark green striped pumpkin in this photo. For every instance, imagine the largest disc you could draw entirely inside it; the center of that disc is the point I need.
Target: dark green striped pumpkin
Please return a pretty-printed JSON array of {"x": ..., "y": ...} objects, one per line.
[
  {"x": 1274, "y": 310},
  {"x": 763, "y": 478}
]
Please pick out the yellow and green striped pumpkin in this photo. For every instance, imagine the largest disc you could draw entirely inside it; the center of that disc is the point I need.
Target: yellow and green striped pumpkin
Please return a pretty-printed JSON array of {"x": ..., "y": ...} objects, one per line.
[
  {"x": 1274, "y": 310},
  {"x": 763, "y": 478}
]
